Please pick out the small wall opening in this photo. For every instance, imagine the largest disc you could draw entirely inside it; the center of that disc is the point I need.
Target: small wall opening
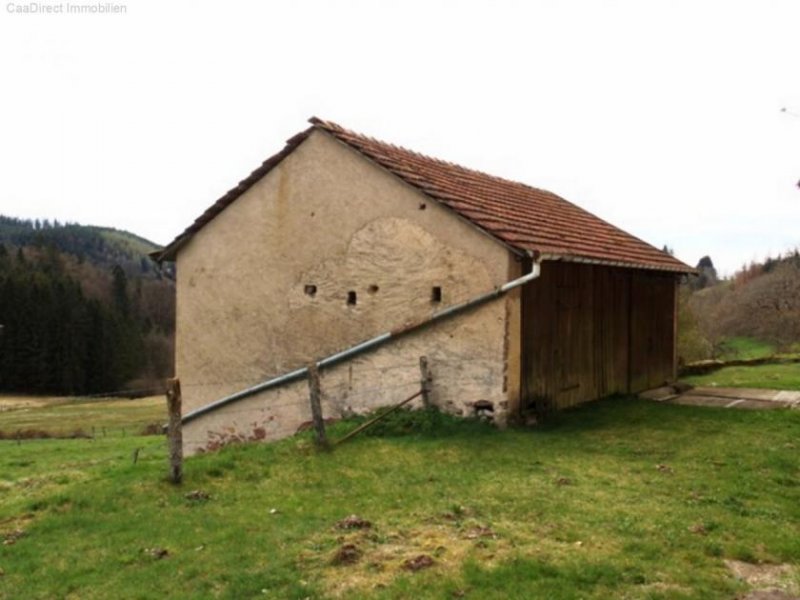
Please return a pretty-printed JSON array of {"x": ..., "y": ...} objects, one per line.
[
  {"x": 373, "y": 289},
  {"x": 310, "y": 290},
  {"x": 436, "y": 293},
  {"x": 352, "y": 299},
  {"x": 422, "y": 206}
]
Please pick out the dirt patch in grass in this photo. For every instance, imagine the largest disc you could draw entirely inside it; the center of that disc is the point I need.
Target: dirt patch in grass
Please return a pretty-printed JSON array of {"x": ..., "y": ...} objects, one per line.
[
  {"x": 152, "y": 429},
  {"x": 347, "y": 554},
  {"x": 770, "y": 581},
  {"x": 422, "y": 561},
  {"x": 8, "y": 403},
  {"x": 367, "y": 559},
  {"x": 10, "y": 537},
  {"x": 197, "y": 496},
  {"x": 353, "y": 522},
  {"x": 41, "y": 434}
]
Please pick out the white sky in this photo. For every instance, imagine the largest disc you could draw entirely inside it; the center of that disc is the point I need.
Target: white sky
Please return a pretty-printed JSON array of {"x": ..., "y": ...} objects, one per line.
[{"x": 661, "y": 117}]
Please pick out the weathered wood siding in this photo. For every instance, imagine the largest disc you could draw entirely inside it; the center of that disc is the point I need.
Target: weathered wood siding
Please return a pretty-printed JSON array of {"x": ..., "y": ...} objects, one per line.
[
  {"x": 590, "y": 331},
  {"x": 652, "y": 330}
]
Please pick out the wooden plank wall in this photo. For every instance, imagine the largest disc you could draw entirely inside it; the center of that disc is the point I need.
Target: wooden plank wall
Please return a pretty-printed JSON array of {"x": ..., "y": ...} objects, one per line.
[
  {"x": 591, "y": 331},
  {"x": 652, "y": 330}
]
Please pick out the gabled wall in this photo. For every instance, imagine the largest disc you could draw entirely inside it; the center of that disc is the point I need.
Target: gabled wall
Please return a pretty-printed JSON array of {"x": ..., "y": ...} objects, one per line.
[{"x": 329, "y": 218}]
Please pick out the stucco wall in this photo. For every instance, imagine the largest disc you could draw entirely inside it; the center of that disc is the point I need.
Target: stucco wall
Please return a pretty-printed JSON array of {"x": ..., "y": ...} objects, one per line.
[{"x": 327, "y": 217}]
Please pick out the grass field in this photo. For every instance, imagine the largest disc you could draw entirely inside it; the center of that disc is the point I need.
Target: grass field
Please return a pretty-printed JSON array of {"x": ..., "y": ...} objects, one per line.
[
  {"x": 62, "y": 416},
  {"x": 746, "y": 348},
  {"x": 781, "y": 376},
  {"x": 621, "y": 498}
]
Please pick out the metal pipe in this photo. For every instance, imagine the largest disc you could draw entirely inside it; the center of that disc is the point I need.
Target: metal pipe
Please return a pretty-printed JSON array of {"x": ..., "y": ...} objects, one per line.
[{"x": 365, "y": 345}]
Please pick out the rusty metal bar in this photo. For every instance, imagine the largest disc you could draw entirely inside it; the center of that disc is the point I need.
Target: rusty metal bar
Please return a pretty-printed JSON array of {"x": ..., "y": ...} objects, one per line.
[{"x": 380, "y": 417}]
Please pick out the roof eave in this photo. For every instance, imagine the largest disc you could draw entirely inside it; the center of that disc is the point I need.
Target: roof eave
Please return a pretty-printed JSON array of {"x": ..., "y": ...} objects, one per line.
[{"x": 680, "y": 269}]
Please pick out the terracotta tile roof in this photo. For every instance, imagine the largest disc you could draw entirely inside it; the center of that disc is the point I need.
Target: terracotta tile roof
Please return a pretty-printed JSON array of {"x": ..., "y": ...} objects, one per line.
[{"x": 523, "y": 217}]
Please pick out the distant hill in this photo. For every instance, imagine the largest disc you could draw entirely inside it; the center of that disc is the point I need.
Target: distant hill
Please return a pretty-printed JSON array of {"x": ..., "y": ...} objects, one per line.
[
  {"x": 760, "y": 302},
  {"x": 102, "y": 246},
  {"x": 83, "y": 309}
]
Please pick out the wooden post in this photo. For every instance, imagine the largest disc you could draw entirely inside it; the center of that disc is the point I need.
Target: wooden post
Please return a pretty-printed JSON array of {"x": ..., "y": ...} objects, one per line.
[
  {"x": 316, "y": 406},
  {"x": 425, "y": 381},
  {"x": 174, "y": 430}
]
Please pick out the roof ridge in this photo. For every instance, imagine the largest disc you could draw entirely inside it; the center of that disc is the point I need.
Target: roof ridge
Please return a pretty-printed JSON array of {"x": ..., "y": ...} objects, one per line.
[
  {"x": 333, "y": 126},
  {"x": 522, "y": 217},
  {"x": 356, "y": 140}
]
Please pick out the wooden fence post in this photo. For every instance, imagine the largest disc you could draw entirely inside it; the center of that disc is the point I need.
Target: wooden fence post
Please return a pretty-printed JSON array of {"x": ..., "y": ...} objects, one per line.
[
  {"x": 316, "y": 406},
  {"x": 425, "y": 381},
  {"x": 174, "y": 430}
]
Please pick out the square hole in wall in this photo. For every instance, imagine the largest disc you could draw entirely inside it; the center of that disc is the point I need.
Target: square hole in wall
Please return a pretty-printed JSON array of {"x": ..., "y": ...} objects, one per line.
[
  {"x": 436, "y": 293},
  {"x": 310, "y": 290},
  {"x": 352, "y": 299}
]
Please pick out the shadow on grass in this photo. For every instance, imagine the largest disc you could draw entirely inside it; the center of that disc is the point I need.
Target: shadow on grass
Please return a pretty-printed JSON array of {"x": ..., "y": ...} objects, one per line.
[
  {"x": 616, "y": 413},
  {"x": 422, "y": 423},
  {"x": 626, "y": 412}
]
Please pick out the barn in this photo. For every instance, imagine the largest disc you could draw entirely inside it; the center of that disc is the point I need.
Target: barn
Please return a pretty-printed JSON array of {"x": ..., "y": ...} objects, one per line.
[{"x": 518, "y": 300}]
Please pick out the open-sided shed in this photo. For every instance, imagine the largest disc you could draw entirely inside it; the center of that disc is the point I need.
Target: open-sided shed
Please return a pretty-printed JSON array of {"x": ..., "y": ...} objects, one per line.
[{"x": 340, "y": 237}]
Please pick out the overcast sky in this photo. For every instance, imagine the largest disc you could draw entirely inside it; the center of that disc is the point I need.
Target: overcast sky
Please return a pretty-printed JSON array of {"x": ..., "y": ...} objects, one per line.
[{"x": 661, "y": 117}]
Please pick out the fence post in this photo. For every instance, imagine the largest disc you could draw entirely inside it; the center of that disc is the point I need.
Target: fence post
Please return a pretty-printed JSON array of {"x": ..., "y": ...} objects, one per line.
[
  {"x": 316, "y": 406},
  {"x": 425, "y": 381},
  {"x": 174, "y": 430}
]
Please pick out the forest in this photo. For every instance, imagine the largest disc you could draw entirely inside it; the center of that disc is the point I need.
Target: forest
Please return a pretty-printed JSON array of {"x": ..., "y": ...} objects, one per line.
[
  {"x": 760, "y": 302},
  {"x": 83, "y": 310}
]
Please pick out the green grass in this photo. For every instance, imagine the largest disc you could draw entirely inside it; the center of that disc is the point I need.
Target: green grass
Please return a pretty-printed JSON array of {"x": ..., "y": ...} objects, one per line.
[
  {"x": 744, "y": 348},
  {"x": 60, "y": 416},
  {"x": 620, "y": 498},
  {"x": 781, "y": 376}
]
